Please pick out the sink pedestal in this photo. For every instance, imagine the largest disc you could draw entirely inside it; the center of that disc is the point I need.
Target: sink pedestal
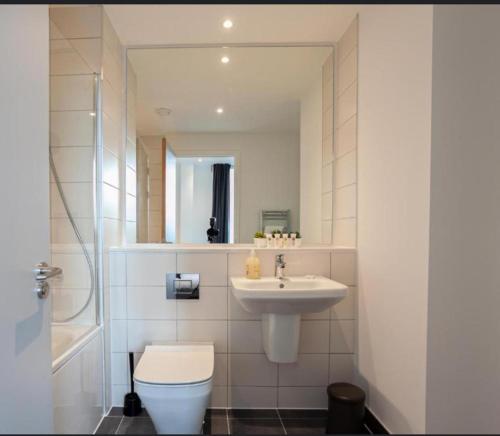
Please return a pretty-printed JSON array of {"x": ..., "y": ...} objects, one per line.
[{"x": 280, "y": 336}]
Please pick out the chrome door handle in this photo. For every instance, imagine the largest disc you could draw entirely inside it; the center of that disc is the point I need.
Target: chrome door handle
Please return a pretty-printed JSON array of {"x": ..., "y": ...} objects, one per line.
[{"x": 43, "y": 272}]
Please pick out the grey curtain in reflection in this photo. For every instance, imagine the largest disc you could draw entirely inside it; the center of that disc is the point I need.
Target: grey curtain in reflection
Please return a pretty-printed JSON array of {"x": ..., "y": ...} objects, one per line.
[{"x": 220, "y": 201}]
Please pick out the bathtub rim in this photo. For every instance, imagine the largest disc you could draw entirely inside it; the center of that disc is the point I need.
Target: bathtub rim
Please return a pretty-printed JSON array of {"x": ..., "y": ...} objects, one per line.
[{"x": 76, "y": 347}]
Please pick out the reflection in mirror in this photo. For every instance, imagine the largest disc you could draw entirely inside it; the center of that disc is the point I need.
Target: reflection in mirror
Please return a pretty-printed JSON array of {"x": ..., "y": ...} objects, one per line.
[{"x": 216, "y": 140}]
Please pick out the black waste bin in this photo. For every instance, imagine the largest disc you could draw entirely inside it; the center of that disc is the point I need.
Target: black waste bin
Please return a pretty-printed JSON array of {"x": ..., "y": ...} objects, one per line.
[{"x": 346, "y": 409}]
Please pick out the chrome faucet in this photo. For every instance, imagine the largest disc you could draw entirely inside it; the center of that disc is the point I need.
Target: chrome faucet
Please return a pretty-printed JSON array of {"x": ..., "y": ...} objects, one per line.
[{"x": 279, "y": 266}]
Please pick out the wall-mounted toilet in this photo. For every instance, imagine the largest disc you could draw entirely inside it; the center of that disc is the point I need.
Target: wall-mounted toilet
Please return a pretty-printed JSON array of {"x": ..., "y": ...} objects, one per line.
[{"x": 174, "y": 382}]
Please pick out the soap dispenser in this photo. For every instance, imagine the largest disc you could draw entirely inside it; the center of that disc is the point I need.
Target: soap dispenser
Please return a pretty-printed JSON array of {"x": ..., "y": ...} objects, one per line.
[{"x": 253, "y": 266}]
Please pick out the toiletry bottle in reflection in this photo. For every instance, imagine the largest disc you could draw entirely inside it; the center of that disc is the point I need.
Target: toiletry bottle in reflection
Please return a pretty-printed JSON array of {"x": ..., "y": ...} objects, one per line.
[{"x": 252, "y": 266}]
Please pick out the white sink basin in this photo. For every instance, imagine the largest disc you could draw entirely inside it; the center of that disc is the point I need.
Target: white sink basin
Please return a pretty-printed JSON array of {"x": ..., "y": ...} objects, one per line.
[
  {"x": 301, "y": 294},
  {"x": 280, "y": 302}
]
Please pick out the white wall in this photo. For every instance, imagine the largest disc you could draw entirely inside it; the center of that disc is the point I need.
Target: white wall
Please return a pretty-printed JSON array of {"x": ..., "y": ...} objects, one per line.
[
  {"x": 395, "y": 56},
  {"x": 463, "y": 384},
  {"x": 244, "y": 377},
  {"x": 268, "y": 171},
  {"x": 311, "y": 161}
]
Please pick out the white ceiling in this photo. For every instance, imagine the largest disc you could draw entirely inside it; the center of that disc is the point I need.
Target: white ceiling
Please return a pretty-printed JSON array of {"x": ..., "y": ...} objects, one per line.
[
  {"x": 259, "y": 89},
  {"x": 195, "y": 24}
]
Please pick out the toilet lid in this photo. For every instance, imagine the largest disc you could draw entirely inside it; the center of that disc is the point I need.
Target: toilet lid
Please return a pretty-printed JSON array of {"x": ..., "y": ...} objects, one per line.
[{"x": 175, "y": 364}]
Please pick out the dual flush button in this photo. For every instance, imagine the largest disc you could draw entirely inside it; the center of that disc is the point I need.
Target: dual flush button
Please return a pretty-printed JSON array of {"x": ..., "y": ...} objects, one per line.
[{"x": 183, "y": 286}]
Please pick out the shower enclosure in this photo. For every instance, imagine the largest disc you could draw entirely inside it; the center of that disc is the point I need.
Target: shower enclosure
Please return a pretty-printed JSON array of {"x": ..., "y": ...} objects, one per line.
[{"x": 76, "y": 231}]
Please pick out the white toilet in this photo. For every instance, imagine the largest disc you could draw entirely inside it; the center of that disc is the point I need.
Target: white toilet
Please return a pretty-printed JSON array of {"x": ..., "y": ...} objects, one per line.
[{"x": 174, "y": 383}]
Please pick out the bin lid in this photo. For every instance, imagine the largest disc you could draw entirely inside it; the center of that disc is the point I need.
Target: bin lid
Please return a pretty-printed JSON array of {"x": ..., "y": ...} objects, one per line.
[{"x": 345, "y": 393}]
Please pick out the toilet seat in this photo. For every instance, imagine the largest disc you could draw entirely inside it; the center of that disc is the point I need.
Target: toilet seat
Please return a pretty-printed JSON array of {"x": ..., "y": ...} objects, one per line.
[{"x": 175, "y": 364}]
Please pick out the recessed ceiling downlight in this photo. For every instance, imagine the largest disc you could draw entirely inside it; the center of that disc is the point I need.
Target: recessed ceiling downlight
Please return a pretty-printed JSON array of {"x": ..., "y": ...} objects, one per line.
[
  {"x": 224, "y": 59},
  {"x": 163, "y": 111},
  {"x": 227, "y": 24},
  {"x": 220, "y": 110}
]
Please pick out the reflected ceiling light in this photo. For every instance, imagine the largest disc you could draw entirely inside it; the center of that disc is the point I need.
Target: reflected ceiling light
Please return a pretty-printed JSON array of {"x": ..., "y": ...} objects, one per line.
[
  {"x": 227, "y": 24},
  {"x": 220, "y": 110},
  {"x": 224, "y": 59},
  {"x": 200, "y": 159},
  {"x": 92, "y": 114}
]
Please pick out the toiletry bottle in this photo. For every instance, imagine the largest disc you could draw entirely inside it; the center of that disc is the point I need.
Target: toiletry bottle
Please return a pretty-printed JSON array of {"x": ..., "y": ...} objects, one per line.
[{"x": 253, "y": 266}]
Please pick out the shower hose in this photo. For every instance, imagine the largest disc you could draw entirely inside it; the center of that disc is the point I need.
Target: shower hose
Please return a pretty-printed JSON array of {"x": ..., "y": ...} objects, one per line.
[{"x": 80, "y": 241}]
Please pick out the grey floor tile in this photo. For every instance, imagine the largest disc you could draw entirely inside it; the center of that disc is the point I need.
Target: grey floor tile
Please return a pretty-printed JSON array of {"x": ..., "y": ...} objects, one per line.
[
  {"x": 302, "y": 413},
  {"x": 254, "y": 413},
  {"x": 136, "y": 425},
  {"x": 313, "y": 426},
  {"x": 216, "y": 413},
  {"x": 118, "y": 411},
  {"x": 215, "y": 426},
  {"x": 109, "y": 425},
  {"x": 245, "y": 426}
]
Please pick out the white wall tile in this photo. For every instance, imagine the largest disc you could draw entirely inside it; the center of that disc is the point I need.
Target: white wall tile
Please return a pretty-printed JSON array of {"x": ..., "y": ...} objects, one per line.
[
  {"x": 149, "y": 302},
  {"x": 341, "y": 368},
  {"x": 112, "y": 232},
  {"x": 309, "y": 370},
  {"x": 119, "y": 368},
  {"x": 345, "y": 202},
  {"x": 212, "y": 267},
  {"x": 110, "y": 169},
  {"x": 71, "y": 129},
  {"x": 344, "y": 232},
  {"x": 111, "y": 69},
  {"x": 347, "y": 104},
  {"x": 117, "y": 269},
  {"x": 215, "y": 331},
  {"x": 119, "y": 336},
  {"x": 345, "y": 308},
  {"x": 326, "y": 206},
  {"x": 327, "y": 178},
  {"x": 314, "y": 337},
  {"x": 131, "y": 208},
  {"x": 75, "y": 56},
  {"x": 245, "y": 337},
  {"x": 246, "y": 397},
  {"x": 111, "y": 134},
  {"x": 110, "y": 201},
  {"x": 149, "y": 269},
  {"x": 211, "y": 305},
  {"x": 73, "y": 164},
  {"x": 75, "y": 271},
  {"x": 118, "y": 394},
  {"x": 302, "y": 398},
  {"x": 220, "y": 370},
  {"x": 347, "y": 71},
  {"x": 61, "y": 231},
  {"x": 77, "y": 21},
  {"x": 328, "y": 148},
  {"x": 118, "y": 297},
  {"x": 79, "y": 197},
  {"x": 326, "y": 231},
  {"x": 344, "y": 267},
  {"x": 345, "y": 170},
  {"x": 346, "y": 137},
  {"x": 218, "y": 399},
  {"x": 144, "y": 332},
  {"x": 72, "y": 93},
  {"x": 131, "y": 181},
  {"x": 252, "y": 370},
  {"x": 131, "y": 154},
  {"x": 342, "y": 336},
  {"x": 348, "y": 41},
  {"x": 111, "y": 101}
]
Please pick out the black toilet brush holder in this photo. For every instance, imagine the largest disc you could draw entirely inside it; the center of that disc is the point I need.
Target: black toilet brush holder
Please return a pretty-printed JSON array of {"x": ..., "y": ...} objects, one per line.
[{"x": 132, "y": 403}]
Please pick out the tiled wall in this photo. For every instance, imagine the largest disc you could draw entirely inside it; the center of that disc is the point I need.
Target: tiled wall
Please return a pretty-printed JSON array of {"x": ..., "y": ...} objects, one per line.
[
  {"x": 345, "y": 144},
  {"x": 153, "y": 151},
  {"x": 327, "y": 160},
  {"x": 244, "y": 377},
  {"x": 112, "y": 122},
  {"x": 75, "y": 57},
  {"x": 131, "y": 158}
]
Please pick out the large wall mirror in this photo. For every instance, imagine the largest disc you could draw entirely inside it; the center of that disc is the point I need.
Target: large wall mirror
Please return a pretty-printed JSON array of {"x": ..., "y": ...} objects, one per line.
[{"x": 215, "y": 137}]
